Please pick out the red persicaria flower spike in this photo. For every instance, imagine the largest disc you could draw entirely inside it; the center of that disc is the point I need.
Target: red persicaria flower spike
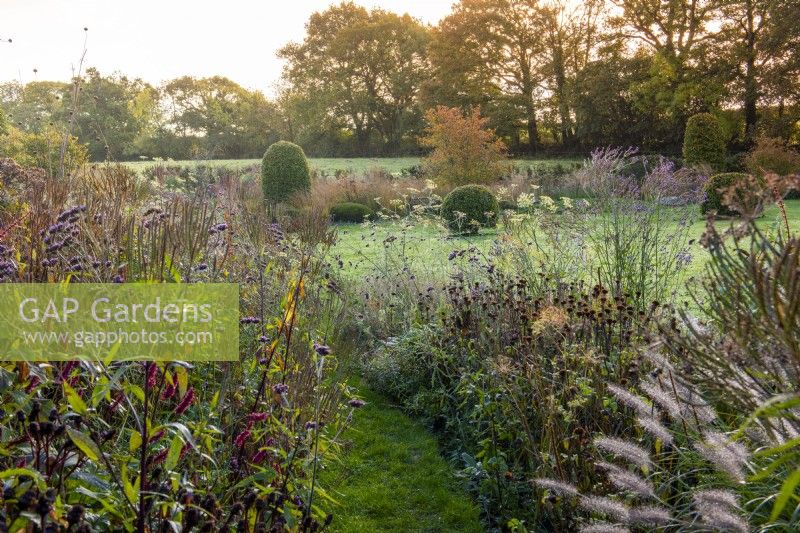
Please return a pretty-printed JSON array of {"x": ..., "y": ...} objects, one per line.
[
  {"x": 259, "y": 456},
  {"x": 242, "y": 437},
  {"x": 185, "y": 402}
]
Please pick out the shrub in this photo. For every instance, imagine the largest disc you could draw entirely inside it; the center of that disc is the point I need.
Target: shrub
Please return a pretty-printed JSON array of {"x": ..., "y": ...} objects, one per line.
[
  {"x": 284, "y": 171},
  {"x": 464, "y": 150},
  {"x": 43, "y": 150},
  {"x": 704, "y": 142},
  {"x": 508, "y": 205},
  {"x": 772, "y": 156},
  {"x": 350, "y": 212},
  {"x": 715, "y": 190},
  {"x": 468, "y": 208}
]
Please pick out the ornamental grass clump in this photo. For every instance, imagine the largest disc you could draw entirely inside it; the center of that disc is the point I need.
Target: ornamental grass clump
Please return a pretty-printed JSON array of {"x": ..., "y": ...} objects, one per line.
[{"x": 660, "y": 481}]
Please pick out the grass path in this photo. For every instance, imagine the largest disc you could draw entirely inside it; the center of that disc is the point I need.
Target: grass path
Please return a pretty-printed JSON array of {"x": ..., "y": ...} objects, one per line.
[{"x": 391, "y": 478}]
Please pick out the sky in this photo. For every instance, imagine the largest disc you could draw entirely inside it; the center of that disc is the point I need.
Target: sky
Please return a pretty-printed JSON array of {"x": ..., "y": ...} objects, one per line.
[{"x": 158, "y": 40}]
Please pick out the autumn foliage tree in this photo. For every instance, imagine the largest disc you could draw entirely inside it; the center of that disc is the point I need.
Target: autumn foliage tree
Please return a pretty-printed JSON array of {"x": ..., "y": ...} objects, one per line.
[{"x": 464, "y": 149}]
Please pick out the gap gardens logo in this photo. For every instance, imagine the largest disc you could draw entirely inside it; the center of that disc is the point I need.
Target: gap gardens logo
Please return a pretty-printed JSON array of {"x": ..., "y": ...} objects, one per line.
[{"x": 52, "y": 322}]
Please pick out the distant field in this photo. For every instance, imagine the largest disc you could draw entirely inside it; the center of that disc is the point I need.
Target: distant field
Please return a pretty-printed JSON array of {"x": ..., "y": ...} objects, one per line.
[
  {"x": 427, "y": 245},
  {"x": 329, "y": 165}
]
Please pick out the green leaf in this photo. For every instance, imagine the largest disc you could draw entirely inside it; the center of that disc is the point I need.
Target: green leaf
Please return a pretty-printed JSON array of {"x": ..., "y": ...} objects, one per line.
[
  {"x": 174, "y": 453},
  {"x": 135, "y": 442},
  {"x": 172, "y": 270},
  {"x": 130, "y": 491},
  {"x": 264, "y": 476},
  {"x": 17, "y": 472},
  {"x": 788, "y": 445},
  {"x": 183, "y": 381},
  {"x": 85, "y": 444},
  {"x": 75, "y": 401},
  {"x": 136, "y": 390},
  {"x": 185, "y": 433},
  {"x": 214, "y": 400},
  {"x": 771, "y": 468},
  {"x": 787, "y": 491}
]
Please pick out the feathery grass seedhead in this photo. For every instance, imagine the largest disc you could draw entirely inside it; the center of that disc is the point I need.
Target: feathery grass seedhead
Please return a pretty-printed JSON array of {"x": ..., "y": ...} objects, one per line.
[
  {"x": 633, "y": 401},
  {"x": 650, "y": 515},
  {"x": 603, "y": 527},
  {"x": 557, "y": 487},
  {"x": 627, "y": 450},
  {"x": 713, "y": 498},
  {"x": 628, "y": 481},
  {"x": 723, "y": 520},
  {"x": 665, "y": 399},
  {"x": 726, "y": 456},
  {"x": 655, "y": 428},
  {"x": 605, "y": 506}
]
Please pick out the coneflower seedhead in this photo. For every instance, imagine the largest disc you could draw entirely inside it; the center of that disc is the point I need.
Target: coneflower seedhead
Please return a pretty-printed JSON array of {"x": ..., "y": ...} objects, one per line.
[
  {"x": 605, "y": 506},
  {"x": 633, "y": 453},
  {"x": 556, "y": 487}
]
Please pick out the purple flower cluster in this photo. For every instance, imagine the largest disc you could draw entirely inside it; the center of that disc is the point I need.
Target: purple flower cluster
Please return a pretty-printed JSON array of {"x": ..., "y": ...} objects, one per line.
[
  {"x": 71, "y": 214},
  {"x": 7, "y": 265},
  {"x": 218, "y": 228},
  {"x": 249, "y": 320},
  {"x": 152, "y": 216},
  {"x": 7, "y": 268},
  {"x": 322, "y": 349},
  {"x": 276, "y": 232}
]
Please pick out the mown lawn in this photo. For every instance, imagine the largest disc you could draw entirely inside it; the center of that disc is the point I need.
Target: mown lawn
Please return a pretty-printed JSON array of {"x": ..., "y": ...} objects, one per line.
[
  {"x": 426, "y": 245},
  {"x": 391, "y": 477},
  {"x": 358, "y": 165}
]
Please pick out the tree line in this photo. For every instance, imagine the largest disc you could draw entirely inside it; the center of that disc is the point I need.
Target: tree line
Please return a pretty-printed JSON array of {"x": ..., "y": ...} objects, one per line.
[{"x": 550, "y": 77}]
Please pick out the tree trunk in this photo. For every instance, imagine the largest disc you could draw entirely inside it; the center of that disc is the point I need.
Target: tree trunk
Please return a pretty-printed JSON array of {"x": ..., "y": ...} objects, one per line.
[
  {"x": 750, "y": 100},
  {"x": 750, "y": 105},
  {"x": 561, "y": 93},
  {"x": 533, "y": 132}
]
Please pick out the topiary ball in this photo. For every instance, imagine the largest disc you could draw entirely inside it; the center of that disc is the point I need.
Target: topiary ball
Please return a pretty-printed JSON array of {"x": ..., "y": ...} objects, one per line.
[
  {"x": 715, "y": 189},
  {"x": 704, "y": 142},
  {"x": 284, "y": 171},
  {"x": 468, "y": 208},
  {"x": 350, "y": 212}
]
